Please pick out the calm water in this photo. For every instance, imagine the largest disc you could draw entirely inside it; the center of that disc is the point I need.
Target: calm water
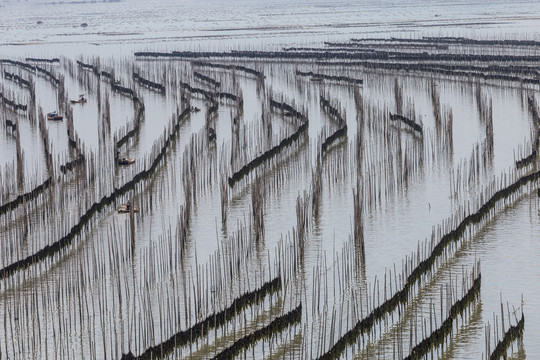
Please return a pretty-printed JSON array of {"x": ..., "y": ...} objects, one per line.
[{"x": 394, "y": 224}]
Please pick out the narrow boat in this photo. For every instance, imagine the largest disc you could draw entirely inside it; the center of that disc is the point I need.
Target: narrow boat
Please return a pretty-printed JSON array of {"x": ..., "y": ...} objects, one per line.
[
  {"x": 54, "y": 116},
  {"x": 81, "y": 100},
  {"x": 126, "y": 161},
  {"x": 126, "y": 208},
  {"x": 195, "y": 109}
]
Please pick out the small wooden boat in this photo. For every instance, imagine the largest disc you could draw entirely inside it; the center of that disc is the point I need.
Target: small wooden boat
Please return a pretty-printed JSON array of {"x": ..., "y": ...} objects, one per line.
[
  {"x": 195, "y": 109},
  {"x": 82, "y": 100},
  {"x": 126, "y": 161},
  {"x": 54, "y": 116},
  {"x": 126, "y": 208}
]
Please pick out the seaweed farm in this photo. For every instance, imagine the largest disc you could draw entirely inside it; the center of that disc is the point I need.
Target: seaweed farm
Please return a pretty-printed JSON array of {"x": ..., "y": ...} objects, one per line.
[{"x": 365, "y": 197}]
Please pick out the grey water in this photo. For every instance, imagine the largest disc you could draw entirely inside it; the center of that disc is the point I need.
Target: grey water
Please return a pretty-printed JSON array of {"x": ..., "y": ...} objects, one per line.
[{"x": 40, "y": 307}]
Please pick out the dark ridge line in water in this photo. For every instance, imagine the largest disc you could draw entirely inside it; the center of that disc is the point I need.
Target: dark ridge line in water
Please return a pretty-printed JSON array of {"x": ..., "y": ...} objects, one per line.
[
  {"x": 332, "y": 110},
  {"x": 106, "y": 74},
  {"x": 50, "y": 250},
  {"x": 318, "y": 76},
  {"x": 12, "y": 103},
  {"x": 209, "y": 95},
  {"x": 16, "y": 78},
  {"x": 436, "y": 68},
  {"x": 526, "y": 160},
  {"x": 207, "y": 79},
  {"x": 237, "y": 176},
  {"x": 124, "y": 91},
  {"x": 213, "y": 321},
  {"x": 139, "y": 113},
  {"x": 247, "y": 70},
  {"x": 437, "y": 337},
  {"x": 341, "y": 121},
  {"x": 536, "y": 123},
  {"x": 148, "y": 83},
  {"x": 453, "y": 40},
  {"x": 401, "y": 296},
  {"x": 49, "y": 75},
  {"x": 276, "y": 326},
  {"x": 229, "y": 96},
  {"x": 33, "y": 69},
  {"x": 26, "y": 197},
  {"x": 330, "y": 55},
  {"x": 194, "y": 90},
  {"x": 358, "y": 44},
  {"x": 20, "y": 64},
  {"x": 258, "y": 74},
  {"x": 87, "y": 66},
  {"x": 513, "y": 333},
  {"x": 69, "y": 166},
  {"x": 54, "y": 60},
  {"x": 288, "y": 110},
  {"x": 336, "y": 135},
  {"x": 414, "y": 126}
]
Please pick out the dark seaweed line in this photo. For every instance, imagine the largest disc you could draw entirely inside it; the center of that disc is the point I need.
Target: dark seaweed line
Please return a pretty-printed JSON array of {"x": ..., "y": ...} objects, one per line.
[
  {"x": 402, "y": 295},
  {"x": 191, "y": 54},
  {"x": 69, "y": 166},
  {"x": 409, "y": 122},
  {"x": 332, "y": 110},
  {"x": 207, "y": 94},
  {"x": 330, "y": 77},
  {"x": 454, "y": 40},
  {"x": 536, "y": 123},
  {"x": 136, "y": 128},
  {"x": 16, "y": 78},
  {"x": 54, "y": 248},
  {"x": 13, "y": 104},
  {"x": 224, "y": 95},
  {"x": 449, "y": 70},
  {"x": 288, "y": 108},
  {"x": 86, "y": 66},
  {"x": 207, "y": 79},
  {"x": 215, "y": 320},
  {"x": 330, "y": 55},
  {"x": 340, "y": 132},
  {"x": 247, "y": 70},
  {"x": 31, "y": 68},
  {"x": 277, "y": 325},
  {"x": 330, "y": 140},
  {"x": 52, "y": 78},
  {"x": 383, "y": 45},
  {"x": 124, "y": 91},
  {"x": 526, "y": 160},
  {"x": 148, "y": 83},
  {"x": 114, "y": 86},
  {"x": 19, "y": 64},
  {"x": 237, "y": 176},
  {"x": 513, "y": 333},
  {"x": 437, "y": 337},
  {"x": 54, "y": 60},
  {"x": 25, "y": 197},
  {"x": 468, "y": 68}
]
